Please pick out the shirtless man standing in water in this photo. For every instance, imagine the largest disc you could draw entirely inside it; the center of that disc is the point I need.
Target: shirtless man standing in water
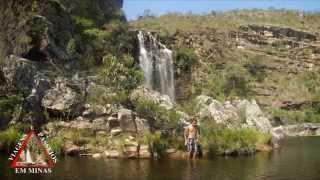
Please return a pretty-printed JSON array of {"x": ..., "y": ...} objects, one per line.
[{"x": 191, "y": 136}]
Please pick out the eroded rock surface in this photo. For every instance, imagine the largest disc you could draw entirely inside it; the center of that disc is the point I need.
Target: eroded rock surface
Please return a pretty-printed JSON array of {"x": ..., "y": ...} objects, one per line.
[{"x": 238, "y": 112}]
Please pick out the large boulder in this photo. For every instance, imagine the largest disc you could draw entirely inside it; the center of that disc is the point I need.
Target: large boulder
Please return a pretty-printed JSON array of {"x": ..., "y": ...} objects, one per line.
[
  {"x": 101, "y": 124},
  {"x": 61, "y": 99},
  {"x": 94, "y": 111},
  {"x": 112, "y": 154},
  {"x": 144, "y": 94},
  {"x": 144, "y": 152},
  {"x": 72, "y": 150},
  {"x": 126, "y": 120},
  {"x": 113, "y": 122},
  {"x": 238, "y": 112},
  {"x": 80, "y": 124},
  {"x": 212, "y": 109},
  {"x": 254, "y": 115},
  {"x": 142, "y": 125},
  {"x": 25, "y": 76}
]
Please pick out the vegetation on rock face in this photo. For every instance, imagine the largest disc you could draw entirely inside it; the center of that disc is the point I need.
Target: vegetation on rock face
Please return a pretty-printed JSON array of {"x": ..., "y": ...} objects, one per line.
[
  {"x": 8, "y": 105},
  {"x": 9, "y": 138},
  {"x": 79, "y": 137},
  {"x": 232, "y": 81},
  {"x": 184, "y": 60},
  {"x": 312, "y": 83},
  {"x": 157, "y": 143},
  {"x": 282, "y": 116},
  {"x": 103, "y": 95},
  {"x": 227, "y": 21},
  {"x": 56, "y": 144},
  {"x": 305, "y": 111},
  {"x": 256, "y": 69},
  {"x": 121, "y": 76},
  {"x": 157, "y": 115}
]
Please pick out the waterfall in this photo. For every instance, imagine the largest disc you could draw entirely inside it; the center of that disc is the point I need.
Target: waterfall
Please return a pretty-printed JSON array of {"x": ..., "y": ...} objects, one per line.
[
  {"x": 156, "y": 62},
  {"x": 28, "y": 157}
]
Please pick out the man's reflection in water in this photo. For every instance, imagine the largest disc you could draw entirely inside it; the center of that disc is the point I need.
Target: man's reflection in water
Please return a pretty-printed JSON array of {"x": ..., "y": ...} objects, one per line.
[{"x": 191, "y": 171}]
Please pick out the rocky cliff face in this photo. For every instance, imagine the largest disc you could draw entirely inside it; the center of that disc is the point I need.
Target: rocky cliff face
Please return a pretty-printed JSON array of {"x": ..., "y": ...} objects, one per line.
[
  {"x": 41, "y": 30},
  {"x": 282, "y": 52},
  {"x": 44, "y": 31}
]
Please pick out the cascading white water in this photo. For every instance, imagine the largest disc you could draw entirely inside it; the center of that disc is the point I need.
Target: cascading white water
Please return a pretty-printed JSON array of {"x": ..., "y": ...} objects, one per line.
[
  {"x": 28, "y": 157},
  {"x": 157, "y": 64}
]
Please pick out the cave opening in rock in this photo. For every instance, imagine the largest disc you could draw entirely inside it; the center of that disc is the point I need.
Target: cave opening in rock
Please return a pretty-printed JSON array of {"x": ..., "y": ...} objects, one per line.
[
  {"x": 38, "y": 51},
  {"x": 35, "y": 54}
]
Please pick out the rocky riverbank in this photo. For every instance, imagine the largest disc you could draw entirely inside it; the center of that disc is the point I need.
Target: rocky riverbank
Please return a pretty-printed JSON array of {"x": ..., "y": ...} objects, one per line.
[
  {"x": 95, "y": 86},
  {"x": 113, "y": 130}
]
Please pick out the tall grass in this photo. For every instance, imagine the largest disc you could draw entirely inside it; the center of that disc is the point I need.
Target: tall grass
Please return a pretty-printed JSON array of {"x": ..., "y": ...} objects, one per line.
[
  {"x": 9, "y": 137},
  {"x": 78, "y": 137},
  {"x": 156, "y": 142},
  {"x": 156, "y": 114},
  {"x": 56, "y": 144},
  {"x": 221, "y": 140},
  {"x": 226, "y": 21}
]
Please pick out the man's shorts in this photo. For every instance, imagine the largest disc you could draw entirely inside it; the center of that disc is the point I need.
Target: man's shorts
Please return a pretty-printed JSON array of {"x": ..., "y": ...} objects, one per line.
[{"x": 192, "y": 145}]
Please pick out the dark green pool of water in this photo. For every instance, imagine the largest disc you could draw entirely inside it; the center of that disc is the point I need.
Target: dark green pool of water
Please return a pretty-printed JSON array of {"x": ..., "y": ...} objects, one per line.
[{"x": 298, "y": 159}]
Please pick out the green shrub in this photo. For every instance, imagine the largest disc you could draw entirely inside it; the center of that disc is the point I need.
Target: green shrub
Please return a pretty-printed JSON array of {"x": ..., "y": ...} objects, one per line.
[
  {"x": 2, "y": 54},
  {"x": 102, "y": 95},
  {"x": 56, "y": 144},
  {"x": 156, "y": 142},
  {"x": 237, "y": 82},
  {"x": 256, "y": 69},
  {"x": 177, "y": 141},
  {"x": 190, "y": 106},
  {"x": 232, "y": 81},
  {"x": 157, "y": 114},
  {"x": 22, "y": 127},
  {"x": 83, "y": 22},
  {"x": 295, "y": 116},
  {"x": 9, "y": 137},
  {"x": 222, "y": 140},
  {"x": 96, "y": 34},
  {"x": 120, "y": 143},
  {"x": 78, "y": 138},
  {"x": 166, "y": 37},
  {"x": 311, "y": 80},
  {"x": 312, "y": 116},
  {"x": 38, "y": 28},
  {"x": 72, "y": 48},
  {"x": 173, "y": 117},
  {"x": 288, "y": 117},
  {"x": 148, "y": 109},
  {"x": 35, "y": 6},
  {"x": 118, "y": 76},
  {"x": 8, "y": 105},
  {"x": 184, "y": 59},
  {"x": 100, "y": 140}
]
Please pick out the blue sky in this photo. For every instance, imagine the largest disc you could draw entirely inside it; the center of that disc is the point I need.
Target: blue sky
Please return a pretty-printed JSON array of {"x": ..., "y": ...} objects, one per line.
[{"x": 134, "y": 8}]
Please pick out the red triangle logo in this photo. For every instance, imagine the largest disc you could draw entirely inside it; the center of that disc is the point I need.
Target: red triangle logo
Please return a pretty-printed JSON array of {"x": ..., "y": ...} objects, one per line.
[{"x": 32, "y": 154}]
